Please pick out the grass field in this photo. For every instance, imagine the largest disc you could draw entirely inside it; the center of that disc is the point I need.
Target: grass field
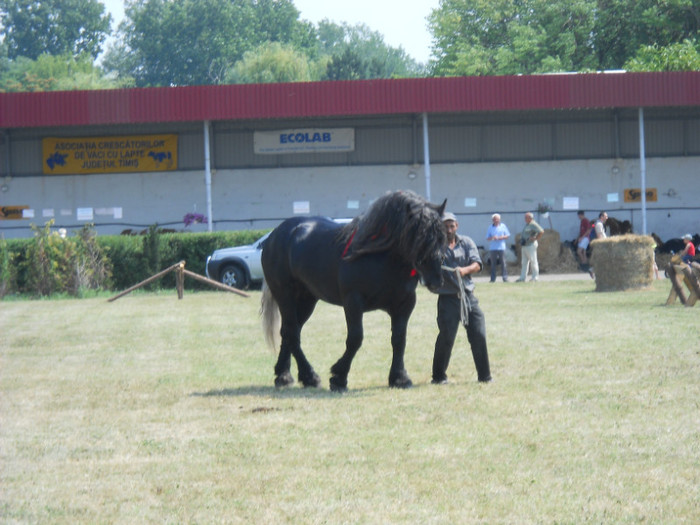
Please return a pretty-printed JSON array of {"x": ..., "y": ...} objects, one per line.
[{"x": 155, "y": 410}]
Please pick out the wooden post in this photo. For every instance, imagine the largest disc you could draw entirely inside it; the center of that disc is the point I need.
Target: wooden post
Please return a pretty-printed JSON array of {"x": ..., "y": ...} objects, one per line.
[
  {"x": 180, "y": 279},
  {"x": 679, "y": 275},
  {"x": 691, "y": 282},
  {"x": 146, "y": 281},
  {"x": 676, "y": 285}
]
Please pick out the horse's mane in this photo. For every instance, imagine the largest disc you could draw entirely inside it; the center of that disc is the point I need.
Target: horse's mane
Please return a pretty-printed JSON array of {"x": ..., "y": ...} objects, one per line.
[{"x": 399, "y": 221}]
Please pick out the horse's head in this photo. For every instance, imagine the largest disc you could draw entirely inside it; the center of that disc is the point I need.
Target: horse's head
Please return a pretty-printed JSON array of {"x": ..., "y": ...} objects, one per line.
[
  {"x": 432, "y": 241},
  {"x": 430, "y": 270}
]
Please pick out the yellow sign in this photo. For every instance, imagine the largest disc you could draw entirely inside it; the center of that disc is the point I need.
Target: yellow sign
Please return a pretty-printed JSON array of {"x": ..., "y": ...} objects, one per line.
[
  {"x": 12, "y": 212},
  {"x": 635, "y": 195},
  {"x": 68, "y": 156}
]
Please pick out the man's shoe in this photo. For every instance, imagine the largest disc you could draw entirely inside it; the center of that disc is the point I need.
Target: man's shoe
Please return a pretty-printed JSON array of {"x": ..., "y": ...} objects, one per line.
[
  {"x": 520, "y": 281},
  {"x": 439, "y": 381}
]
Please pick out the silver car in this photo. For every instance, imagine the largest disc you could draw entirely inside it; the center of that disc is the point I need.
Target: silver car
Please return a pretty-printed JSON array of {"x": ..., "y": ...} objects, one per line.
[{"x": 238, "y": 266}]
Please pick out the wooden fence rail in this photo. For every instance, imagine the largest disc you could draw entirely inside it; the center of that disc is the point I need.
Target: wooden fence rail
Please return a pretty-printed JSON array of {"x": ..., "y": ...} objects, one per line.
[{"x": 180, "y": 273}]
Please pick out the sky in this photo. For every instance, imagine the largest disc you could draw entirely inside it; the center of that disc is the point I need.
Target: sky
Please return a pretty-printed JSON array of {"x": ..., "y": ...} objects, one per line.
[{"x": 403, "y": 24}]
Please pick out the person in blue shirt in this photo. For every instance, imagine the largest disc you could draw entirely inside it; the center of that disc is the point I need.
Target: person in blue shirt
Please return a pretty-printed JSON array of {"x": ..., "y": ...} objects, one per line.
[
  {"x": 497, "y": 234},
  {"x": 457, "y": 302}
]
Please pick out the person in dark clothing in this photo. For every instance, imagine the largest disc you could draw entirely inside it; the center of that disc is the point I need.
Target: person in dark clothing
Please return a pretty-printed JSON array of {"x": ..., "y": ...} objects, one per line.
[{"x": 457, "y": 303}]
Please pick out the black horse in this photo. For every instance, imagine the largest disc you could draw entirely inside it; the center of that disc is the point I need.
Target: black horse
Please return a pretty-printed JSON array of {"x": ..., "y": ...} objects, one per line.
[{"x": 371, "y": 263}]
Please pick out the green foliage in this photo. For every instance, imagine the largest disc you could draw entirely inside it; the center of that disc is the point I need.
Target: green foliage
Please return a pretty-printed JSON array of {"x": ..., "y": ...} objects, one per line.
[
  {"x": 48, "y": 269},
  {"x": 52, "y": 264},
  {"x": 684, "y": 56},
  {"x": 115, "y": 262},
  {"x": 93, "y": 269},
  {"x": 356, "y": 52},
  {"x": 54, "y": 73},
  {"x": 271, "y": 62},
  {"x": 187, "y": 42},
  {"x": 496, "y": 37},
  {"x": 151, "y": 253},
  {"x": 6, "y": 273},
  {"x": 31, "y": 28},
  {"x": 190, "y": 42}
]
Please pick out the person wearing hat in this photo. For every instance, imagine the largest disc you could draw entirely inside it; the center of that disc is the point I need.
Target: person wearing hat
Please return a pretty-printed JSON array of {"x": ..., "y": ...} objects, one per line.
[
  {"x": 688, "y": 253},
  {"x": 457, "y": 302}
]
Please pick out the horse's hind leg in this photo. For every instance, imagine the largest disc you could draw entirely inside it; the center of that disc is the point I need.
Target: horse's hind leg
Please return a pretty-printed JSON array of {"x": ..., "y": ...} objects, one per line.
[
  {"x": 283, "y": 377},
  {"x": 307, "y": 376},
  {"x": 293, "y": 320}
]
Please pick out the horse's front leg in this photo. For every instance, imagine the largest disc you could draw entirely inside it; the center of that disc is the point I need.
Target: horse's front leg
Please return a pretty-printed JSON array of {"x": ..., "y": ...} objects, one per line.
[
  {"x": 341, "y": 369},
  {"x": 398, "y": 377}
]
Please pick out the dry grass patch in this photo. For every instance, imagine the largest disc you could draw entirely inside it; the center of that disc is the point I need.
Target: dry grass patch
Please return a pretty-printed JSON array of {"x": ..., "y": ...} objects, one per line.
[{"x": 154, "y": 410}]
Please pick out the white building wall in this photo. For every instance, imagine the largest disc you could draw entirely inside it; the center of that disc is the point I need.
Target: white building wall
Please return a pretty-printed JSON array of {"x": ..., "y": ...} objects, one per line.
[{"x": 261, "y": 198}]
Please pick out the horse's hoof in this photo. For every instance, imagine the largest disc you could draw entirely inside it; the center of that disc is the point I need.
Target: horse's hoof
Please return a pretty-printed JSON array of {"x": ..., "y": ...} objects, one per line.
[
  {"x": 337, "y": 385},
  {"x": 313, "y": 381},
  {"x": 401, "y": 382},
  {"x": 284, "y": 379}
]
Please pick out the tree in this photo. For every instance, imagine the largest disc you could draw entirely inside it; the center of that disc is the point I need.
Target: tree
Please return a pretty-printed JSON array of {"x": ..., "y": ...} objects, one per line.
[
  {"x": 676, "y": 57},
  {"x": 490, "y": 37},
  {"x": 53, "y": 73},
  {"x": 356, "y": 52},
  {"x": 191, "y": 42},
  {"x": 31, "y": 28},
  {"x": 271, "y": 62}
]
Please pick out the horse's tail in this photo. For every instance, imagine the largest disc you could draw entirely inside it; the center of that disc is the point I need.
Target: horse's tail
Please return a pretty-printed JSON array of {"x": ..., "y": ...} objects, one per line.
[{"x": 270, "y": 313}]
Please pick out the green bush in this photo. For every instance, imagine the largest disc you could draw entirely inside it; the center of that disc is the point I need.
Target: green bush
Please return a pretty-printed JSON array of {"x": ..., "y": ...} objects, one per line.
[
  {"x": 7, "y": 275},
  {"x": 48, "y": 264}
]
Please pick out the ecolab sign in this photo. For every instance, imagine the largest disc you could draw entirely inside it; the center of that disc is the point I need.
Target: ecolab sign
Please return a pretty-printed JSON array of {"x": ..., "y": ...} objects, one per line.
[{"x": 304, "y": 141}]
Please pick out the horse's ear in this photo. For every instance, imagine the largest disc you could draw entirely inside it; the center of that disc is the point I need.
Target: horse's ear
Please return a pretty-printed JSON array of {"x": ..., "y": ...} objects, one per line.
[{"x": 441, "y": 208}]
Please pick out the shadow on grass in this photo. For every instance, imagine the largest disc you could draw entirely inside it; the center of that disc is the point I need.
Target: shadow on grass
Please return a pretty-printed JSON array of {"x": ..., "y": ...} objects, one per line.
[{"x": 292, "y": 392}]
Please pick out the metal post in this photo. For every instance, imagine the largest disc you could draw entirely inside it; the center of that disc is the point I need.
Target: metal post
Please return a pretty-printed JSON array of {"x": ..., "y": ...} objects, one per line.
[
  {"x": 207, "y": 175},
  {"x": 426, "y": 156},
  {"x": 643, "y": 170}
]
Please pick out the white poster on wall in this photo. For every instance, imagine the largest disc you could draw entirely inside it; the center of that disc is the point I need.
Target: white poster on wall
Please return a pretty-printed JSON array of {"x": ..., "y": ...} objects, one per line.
[
  {"x": 306, "y": 140},
  {"x": 569, "y": 203}
]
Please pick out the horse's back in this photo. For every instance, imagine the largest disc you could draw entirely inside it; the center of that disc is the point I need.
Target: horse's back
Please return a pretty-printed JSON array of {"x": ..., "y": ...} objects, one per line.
[{"x": 304, "y": 251}]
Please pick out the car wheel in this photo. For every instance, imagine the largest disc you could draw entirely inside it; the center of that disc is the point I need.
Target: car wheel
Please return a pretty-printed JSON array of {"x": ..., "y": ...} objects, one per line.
[{"x": 234, "y": 275}]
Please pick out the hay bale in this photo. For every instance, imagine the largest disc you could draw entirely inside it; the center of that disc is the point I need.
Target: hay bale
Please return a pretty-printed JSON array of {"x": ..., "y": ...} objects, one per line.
[
  {"x": 623, "y": 262},
  {"x": 549, "y": 251}
]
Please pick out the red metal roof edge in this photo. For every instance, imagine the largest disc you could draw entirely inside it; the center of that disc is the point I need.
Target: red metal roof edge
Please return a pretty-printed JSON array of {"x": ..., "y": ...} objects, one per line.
[{"x": 349, "y": 98}]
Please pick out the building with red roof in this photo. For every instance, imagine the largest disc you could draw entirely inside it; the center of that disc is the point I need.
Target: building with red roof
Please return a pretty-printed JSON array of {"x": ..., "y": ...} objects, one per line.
[{"x": 248, "y": 156}]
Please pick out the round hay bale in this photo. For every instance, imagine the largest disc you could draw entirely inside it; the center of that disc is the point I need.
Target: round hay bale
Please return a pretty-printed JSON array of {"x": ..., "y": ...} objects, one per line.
[
  {"x": 623, "y": 262},
  {"x": 548, "y": 251}
]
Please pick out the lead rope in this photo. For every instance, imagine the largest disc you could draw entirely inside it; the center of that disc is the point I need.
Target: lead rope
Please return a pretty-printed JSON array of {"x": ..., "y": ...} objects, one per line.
[{"x": 464, "y": 306}]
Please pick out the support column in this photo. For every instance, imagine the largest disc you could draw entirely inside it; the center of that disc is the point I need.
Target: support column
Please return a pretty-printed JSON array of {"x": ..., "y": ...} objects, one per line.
[
  {"x": 426, "y": 156},
  {"x": 207, "y": 176}
]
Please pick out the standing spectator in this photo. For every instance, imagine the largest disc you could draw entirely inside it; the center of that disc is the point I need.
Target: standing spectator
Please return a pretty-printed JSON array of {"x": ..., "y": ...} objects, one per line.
[
  {"x": 457, "y": 302},
  {"x": 532, "y": 232},
  {"x": 600, "y": 225},
  {"x": 497, "y": 235},
  {"x": 582, "y": 240},
  {"x": 599, "y": 230}
]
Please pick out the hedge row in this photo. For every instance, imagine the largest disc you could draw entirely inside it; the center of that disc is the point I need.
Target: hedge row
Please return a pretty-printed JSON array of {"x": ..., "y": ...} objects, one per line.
[{"x": 128, "y": 259}]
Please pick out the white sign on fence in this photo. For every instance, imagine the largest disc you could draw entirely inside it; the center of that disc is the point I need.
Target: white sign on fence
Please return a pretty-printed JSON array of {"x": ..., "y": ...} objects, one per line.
[{"x": 307, "y": 140}]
